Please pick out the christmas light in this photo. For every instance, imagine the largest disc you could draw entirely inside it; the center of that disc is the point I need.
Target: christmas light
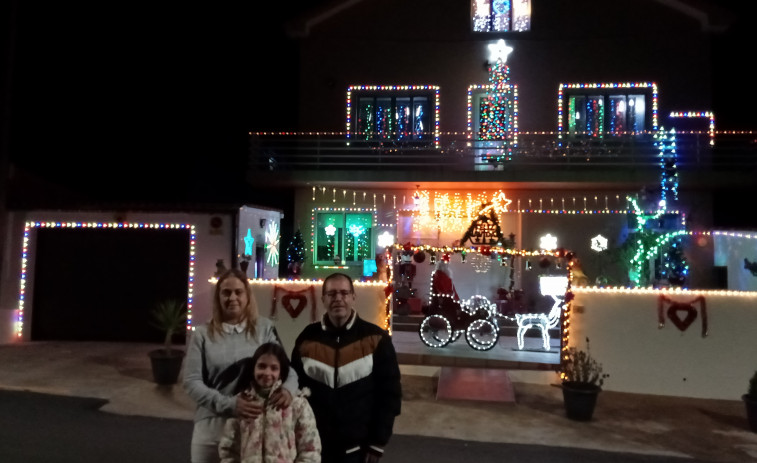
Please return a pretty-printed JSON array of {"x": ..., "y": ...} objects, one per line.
[
  {"x": 272, "y": 243},
  {"x": 248, "y": 240},
  {"x": 19, "y": 324},
  {"x": 384, "y": 125},
  {"x": 548, "y": 242},
  {"x": 699, "y": 114},
  {"x": 599, "y": 243},
  {"x": 570, "y": 118}
]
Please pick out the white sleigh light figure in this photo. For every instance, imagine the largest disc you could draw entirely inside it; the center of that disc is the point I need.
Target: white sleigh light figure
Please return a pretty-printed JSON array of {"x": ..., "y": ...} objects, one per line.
[{"x": 554, "y": 286}]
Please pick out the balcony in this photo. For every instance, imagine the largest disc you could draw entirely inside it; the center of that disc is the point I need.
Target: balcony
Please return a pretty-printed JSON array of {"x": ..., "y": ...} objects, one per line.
[{"x": 538, "y": 159}]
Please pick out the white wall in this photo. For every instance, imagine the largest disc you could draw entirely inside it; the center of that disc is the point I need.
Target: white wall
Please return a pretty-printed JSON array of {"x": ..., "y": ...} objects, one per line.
[
  {"x": 641, "y": 358},
  {"x": 369, "y": 303},
  {"x": 211, "y": 243},
  {"x": 258, "y": 221}
]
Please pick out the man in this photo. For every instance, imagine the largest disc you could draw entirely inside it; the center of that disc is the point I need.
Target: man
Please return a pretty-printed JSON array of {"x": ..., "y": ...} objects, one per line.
[{"x": 351, "y": 369}]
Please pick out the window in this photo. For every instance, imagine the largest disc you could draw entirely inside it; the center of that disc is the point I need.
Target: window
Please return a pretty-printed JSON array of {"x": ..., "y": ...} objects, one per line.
[
  {"x": 597, "y": 110},
  {"x": 395, "y": 118},
  {"x": 501, "y": 15},
  {"x": 398, "y": 113},
  {"x": 343, "y": 237}
]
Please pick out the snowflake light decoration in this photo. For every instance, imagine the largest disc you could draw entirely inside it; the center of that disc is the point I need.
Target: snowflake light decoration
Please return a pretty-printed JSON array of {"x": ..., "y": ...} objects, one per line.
[
  {"x": 272, "y": 243},
  {"x": 385, "y": 239},
  {"x": 548, "y": 242},
  {"x": 599, "y": 243}
]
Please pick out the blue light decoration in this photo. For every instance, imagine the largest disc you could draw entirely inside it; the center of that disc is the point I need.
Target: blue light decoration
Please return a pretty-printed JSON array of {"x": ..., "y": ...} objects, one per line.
[
  {"x": 666, "y": 144},
  {"x": 248, "y": 241}
]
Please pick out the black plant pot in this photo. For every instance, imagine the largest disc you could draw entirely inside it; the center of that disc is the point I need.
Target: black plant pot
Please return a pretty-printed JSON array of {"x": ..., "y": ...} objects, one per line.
[
  {"x": 580, "y": 400},
  {"x": 751, "y": 411},
  {"x": 166, "y": 365}
]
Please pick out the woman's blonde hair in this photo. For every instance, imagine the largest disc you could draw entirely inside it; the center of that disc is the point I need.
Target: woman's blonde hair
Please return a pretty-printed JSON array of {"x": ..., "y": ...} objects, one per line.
[{"x": 250, "y": 311}]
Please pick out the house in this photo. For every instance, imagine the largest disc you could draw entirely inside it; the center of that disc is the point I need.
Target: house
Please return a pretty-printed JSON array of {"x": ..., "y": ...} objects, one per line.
[{"x": 511, "y": 140}]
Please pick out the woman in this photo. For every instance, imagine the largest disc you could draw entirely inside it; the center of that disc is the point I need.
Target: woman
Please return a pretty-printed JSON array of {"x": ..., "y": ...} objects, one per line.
[
  {"x": 218, "y": 355},
  {"x": 282, "y": 436}
]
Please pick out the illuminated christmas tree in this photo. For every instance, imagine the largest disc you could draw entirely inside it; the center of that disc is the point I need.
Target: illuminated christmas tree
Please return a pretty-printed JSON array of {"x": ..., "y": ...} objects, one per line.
[
  {"x": 295, "y": 254},
  {"x": 497, "y": 110}
]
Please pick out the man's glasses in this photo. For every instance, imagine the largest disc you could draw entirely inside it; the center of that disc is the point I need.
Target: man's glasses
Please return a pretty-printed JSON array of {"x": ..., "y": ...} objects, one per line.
[{"x": 334, "y": 294}]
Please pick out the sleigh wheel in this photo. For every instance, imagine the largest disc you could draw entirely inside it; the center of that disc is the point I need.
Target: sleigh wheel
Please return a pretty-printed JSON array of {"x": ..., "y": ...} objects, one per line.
[
  {"x": 436, "y": 331},
  {"x": 482, "y": 334}
]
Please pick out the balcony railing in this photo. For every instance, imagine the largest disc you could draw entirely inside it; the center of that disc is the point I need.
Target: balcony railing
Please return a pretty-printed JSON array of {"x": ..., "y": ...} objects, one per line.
[{"x": 735, "y": 151}]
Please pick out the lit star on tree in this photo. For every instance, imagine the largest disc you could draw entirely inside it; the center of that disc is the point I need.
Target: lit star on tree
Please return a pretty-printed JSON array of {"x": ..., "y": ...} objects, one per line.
[
  {"x": 599, "y": 243},
  {"x": 272, "y": 243},
  {"x": 548, "y": 242},
  {"x": 499, "y": 51},
  {"x": 248, "y": 240}
]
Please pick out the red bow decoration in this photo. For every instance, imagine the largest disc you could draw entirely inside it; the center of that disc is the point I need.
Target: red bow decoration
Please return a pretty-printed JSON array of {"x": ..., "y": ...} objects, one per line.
[
  {"x": 301, "y": 299},
  {"x": 676, "y": 310},
  {"x": 388, "y": 289},
  {"x": 407, "y": 246}
]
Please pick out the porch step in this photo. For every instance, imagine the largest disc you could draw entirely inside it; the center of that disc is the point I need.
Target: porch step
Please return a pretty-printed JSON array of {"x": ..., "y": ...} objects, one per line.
[{"x": 484, "y": 384}]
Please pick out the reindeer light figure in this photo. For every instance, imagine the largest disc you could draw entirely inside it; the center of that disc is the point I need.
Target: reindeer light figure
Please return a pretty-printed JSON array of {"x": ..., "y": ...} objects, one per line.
[{"x": 554, "y": 286}]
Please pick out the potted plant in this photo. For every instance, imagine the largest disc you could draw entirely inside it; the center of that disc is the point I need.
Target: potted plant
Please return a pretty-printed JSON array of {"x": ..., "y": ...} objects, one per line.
[
  {"x": 169, "y": 316},
  {"x": 582, "y": 380},
  {"x": 750, "y": 401}
]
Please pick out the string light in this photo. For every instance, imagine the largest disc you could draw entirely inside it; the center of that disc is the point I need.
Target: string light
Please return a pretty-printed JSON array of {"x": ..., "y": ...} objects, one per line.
[{"x": 19, "y": 324}]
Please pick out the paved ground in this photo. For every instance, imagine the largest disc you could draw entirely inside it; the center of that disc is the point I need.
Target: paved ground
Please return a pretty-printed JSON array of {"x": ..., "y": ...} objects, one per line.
[{"x": 707, "y": 430}]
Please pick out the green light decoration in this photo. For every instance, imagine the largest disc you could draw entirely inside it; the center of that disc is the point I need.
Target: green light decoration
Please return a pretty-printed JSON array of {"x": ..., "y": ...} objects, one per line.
[
  {"x": 648, "y": 244},
  {"x": 272, "y": 243}
]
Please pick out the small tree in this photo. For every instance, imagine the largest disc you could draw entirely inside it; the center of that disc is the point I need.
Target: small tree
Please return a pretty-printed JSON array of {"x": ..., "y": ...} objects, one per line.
[
  {"x": 296, "y": 249},
  {"x": 170, "y": 317}
]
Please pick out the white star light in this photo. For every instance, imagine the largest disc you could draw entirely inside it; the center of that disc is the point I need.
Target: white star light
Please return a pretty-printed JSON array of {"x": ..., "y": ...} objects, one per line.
[
  {"x": 548, "y": 242},
  {"x": 599, "y": 243},
  {"x": 385, "y": 239},
  {"x": 499, "y": 51}
]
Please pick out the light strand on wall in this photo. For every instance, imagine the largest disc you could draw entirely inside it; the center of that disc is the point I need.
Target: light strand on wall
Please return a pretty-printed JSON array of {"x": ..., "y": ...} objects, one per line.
[{"x": 29, "y": 226}]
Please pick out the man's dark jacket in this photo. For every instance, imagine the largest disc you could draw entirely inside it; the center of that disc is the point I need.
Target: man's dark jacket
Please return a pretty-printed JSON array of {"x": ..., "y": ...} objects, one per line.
[{"x": 354, "y": 380}]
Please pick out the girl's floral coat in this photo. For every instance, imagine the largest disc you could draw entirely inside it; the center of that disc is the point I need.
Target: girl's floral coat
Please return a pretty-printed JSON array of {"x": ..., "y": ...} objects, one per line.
[{"x": 276, "y": 436}]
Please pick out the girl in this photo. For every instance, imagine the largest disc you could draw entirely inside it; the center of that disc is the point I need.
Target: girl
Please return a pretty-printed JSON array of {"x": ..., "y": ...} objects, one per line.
[{"x": 277, "y": 435}]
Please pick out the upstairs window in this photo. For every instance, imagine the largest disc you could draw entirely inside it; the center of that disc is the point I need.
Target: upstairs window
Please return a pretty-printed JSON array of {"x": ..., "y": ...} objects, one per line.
[
  {"x": 598, "y": 110},
  {"x": 402, "y": 113},
  {"x": 500, "y": 15}
]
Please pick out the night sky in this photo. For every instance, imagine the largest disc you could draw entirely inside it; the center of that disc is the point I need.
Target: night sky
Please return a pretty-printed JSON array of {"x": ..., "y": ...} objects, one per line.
[{"x": 104, "y": 92}]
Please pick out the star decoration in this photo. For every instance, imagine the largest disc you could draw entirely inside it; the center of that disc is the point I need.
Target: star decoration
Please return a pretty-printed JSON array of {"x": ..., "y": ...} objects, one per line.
[
  {"x": 498, "y": 51},
  {"x": 248, "y": 240}
]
